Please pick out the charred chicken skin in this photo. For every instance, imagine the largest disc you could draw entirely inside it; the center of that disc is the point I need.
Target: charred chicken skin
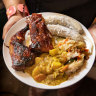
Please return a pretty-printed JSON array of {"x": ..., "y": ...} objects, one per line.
[
  {"x": 40, "y": 35},
  {"x": 21, "y": 55}
]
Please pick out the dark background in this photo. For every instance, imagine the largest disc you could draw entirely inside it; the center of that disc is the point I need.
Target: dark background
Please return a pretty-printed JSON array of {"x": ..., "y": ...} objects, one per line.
[{"x": 10, "y": 85}]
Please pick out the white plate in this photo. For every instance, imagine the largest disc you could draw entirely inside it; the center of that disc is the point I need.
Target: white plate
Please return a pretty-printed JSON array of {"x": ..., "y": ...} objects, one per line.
[{"x": 25, "y": 78}]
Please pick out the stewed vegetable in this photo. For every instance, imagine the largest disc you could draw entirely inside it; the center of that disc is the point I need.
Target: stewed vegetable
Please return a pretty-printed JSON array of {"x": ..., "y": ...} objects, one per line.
[{"x": 55, "y": 67}]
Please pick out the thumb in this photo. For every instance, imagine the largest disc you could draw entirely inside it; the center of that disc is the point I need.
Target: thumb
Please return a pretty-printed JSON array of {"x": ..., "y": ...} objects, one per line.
[{"x": 9, "y": 24}]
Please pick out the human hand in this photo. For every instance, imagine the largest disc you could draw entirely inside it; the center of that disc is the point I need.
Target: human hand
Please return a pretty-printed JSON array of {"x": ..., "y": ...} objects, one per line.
[
  {"x": 10, "y": 23},
  {"x": 92, "y": 72},
  {"x": 92, "y": 30}
]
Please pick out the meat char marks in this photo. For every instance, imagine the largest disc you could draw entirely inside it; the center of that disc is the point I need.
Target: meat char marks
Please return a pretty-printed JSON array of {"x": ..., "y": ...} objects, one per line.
[
  {"x": 21, "y": 55},
  {"x": 40, "y": 35}
]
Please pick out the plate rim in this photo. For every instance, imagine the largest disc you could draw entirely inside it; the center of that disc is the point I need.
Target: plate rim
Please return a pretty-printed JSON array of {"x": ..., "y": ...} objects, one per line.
[{"x": 52, "y": 87}]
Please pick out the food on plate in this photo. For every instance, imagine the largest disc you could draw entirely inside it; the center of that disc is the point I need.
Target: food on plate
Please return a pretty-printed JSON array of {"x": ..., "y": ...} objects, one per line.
[
  {"x": 21, "y": 55},
  {"x": 63, "y": 60},
  {"x": 39, "y": 34},
  {"x": 62, "y": 31},
  {"x": 51, "y": 48},
  {"x": 63, "y": 20}
]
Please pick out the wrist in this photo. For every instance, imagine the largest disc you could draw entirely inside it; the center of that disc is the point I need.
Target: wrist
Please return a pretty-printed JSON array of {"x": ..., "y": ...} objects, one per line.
[
  {"x": 17, "y": 14},
  {"x": 21, "y": 9}
]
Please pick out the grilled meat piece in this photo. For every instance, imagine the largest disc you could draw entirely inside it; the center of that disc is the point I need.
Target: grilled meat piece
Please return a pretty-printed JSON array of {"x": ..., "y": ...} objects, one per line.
[
  {"x": 20, "y": 36},
  {"x": 40, "y": 35},
  {"x": 21, "y": 55}
]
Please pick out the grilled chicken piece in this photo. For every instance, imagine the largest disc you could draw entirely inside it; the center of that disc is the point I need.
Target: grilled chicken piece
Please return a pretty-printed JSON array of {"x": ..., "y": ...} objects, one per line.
[
  {"x": 20, "y": 36},
  {"x": 21, "y": 55},
  {"x": 40, "y": 35}
]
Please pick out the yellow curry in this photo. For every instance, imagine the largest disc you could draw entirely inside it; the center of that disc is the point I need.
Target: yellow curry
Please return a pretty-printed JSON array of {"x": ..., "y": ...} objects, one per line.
[{"x": 56, "y": 66}]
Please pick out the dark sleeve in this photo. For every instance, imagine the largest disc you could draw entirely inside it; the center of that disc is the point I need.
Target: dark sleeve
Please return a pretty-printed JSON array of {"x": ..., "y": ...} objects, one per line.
[
  {"x": 83, "y": 13},
  {"x": 31, "y": 4}
]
